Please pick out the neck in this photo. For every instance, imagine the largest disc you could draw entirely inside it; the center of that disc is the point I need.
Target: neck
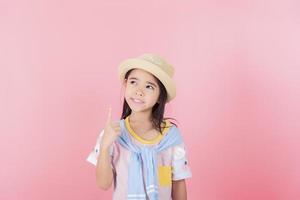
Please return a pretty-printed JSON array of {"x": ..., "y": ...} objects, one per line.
[{"x": 140, "y": 117}]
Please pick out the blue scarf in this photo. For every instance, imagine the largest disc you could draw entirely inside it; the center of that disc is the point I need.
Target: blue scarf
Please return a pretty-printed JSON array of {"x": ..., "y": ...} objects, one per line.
[{"x": 142, "y": 175}]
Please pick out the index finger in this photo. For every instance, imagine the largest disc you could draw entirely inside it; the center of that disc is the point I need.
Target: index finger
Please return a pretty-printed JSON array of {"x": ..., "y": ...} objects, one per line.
[{"x": 109, "y": 115}]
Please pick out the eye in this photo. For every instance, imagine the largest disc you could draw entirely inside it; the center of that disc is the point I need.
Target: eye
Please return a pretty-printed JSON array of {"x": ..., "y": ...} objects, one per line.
[
  {"x": 132, "y": 82},
  {"x": 150, "y": 86}
]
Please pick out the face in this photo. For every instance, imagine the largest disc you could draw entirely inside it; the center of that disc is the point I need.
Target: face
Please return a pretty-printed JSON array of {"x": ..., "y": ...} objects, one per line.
[{"x": 141, "y": 90}]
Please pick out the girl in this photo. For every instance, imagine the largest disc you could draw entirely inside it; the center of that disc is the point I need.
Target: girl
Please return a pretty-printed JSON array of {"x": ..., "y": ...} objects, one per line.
[{"x": 143, "y": 154}]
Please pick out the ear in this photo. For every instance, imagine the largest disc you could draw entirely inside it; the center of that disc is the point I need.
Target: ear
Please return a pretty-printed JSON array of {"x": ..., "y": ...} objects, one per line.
[{"x": 124, "y": 82}]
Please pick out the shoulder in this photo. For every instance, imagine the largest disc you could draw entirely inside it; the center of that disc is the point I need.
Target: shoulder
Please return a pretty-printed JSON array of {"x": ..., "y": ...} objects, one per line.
[
  {"x": 169, "y": 124},
  {"x": 174, "y": 130}
]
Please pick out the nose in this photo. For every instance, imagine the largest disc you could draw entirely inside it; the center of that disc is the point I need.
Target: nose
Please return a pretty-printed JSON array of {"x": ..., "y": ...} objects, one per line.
[{"x": 139, "y": 92}]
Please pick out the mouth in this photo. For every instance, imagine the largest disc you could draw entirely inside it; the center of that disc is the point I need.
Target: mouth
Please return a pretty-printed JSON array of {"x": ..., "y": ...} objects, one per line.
[{"x": 137, "y": 101}]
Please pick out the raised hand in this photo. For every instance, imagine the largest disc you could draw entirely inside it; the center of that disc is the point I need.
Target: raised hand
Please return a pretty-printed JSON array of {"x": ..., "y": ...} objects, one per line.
[{"x": 111, "y": 132}]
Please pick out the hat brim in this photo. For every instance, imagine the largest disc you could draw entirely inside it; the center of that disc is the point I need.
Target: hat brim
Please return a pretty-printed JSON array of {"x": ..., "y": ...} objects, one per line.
[{"x": 136, "y": 63}]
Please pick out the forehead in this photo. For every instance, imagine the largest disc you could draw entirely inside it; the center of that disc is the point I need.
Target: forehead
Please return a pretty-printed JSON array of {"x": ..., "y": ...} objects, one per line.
[{"x": 142, "y": 75}]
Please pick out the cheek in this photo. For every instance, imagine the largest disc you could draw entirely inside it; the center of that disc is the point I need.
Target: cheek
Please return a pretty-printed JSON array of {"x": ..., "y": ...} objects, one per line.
[
  {"x": 154, "y": 97},
  {"x": 128, "y": 90},
  {"x": 126, "y": 93}
]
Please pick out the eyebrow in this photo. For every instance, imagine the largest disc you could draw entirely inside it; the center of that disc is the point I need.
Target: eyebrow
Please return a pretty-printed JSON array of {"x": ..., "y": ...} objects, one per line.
[{"x": 153, "y": 84}]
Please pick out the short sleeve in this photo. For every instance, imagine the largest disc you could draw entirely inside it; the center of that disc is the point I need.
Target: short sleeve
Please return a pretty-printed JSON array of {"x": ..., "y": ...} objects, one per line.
[
  {"x": 180, "y": 164},
  {"x": 93, "y": 156}
]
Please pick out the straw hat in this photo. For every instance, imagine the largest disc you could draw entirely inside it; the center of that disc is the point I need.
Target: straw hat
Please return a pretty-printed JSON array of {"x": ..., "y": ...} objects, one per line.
[{"x": 155, "y": 65}]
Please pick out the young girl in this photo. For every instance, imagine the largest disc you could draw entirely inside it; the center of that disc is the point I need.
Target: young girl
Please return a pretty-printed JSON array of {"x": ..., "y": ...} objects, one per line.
[{"x": 143, "y": 154}]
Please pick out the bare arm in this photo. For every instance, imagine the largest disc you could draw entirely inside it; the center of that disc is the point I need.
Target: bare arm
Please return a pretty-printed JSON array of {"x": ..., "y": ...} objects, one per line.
[
  {"x": 179, "y": 190},
  {"x": 104, "y": 171}
]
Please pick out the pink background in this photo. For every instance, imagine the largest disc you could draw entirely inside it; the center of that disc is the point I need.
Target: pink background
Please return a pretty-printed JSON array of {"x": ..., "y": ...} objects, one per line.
[{"x": 238, "y": 77}]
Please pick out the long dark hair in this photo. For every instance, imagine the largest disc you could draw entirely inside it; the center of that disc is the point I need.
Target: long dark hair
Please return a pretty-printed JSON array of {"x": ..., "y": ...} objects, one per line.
[{"x": 158, "y": 109}]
